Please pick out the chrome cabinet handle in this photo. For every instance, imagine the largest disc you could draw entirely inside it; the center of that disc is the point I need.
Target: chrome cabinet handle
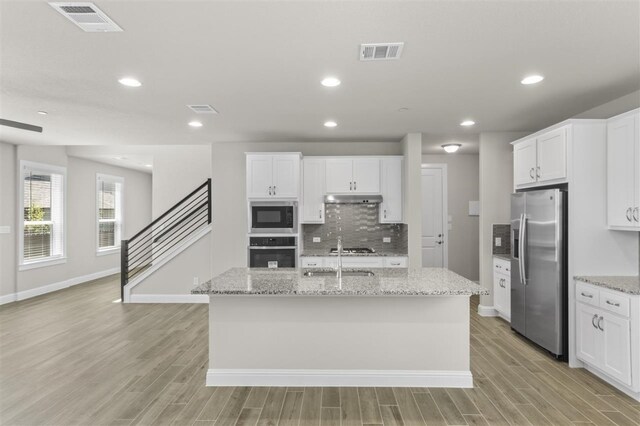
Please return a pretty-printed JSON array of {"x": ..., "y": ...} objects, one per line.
[
  {"x": 355, "y": 185},
  {"x": 595, "y": 317},
  {"x": 538, "y": 172},
  {"x": 600, "y": 323},
  {"x": 270, "y": 191},
  {"x": 320, "y": 213},
  {"x": 635, "y": 215},
  {"x": 350, "y": 186},
  {"x": 531, "y": 173},
  {"x": 629, "y": 214},
  {"x": 590, "y": 296},
  {"x": 395, "y": 263},
  {"x": 274, "y": 190},
  {"x": 439, "y": 242},
  {"x": 609, "y": 302},
  {"x": 311, "y": 264},
  {"x": 385, "y": 213}
]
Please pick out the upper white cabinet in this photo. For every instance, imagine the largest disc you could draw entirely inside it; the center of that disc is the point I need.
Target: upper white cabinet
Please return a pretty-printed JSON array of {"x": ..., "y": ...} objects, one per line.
[
  {"x": 313, "y": 182},
  {"x": 541, "y": 160},
  {"x": 353, "y": 175},
  {"x": 391, "y": 207},
  {"x": 623, "y": 171},
  {"x": 273, "y": 175}
]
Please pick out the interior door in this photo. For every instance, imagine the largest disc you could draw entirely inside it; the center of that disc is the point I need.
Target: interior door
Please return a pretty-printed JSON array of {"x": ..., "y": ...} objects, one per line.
[
  {"x": 544, "y": 283},
  {"x": 366, "y": 175},
  {"x": 432, "y": 218},
  {"x": 517, "y": 284},
  {"x": 339, "y": 175}
]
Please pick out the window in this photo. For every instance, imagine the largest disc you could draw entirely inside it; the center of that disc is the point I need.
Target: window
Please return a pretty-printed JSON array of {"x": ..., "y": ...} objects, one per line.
[
  {"x": 42, "y": 238},
  {"x": 109, "y": 212}
]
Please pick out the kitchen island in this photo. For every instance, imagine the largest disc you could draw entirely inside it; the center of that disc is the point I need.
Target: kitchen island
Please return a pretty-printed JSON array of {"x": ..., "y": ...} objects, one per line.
[{"x": 389, "y": 327}]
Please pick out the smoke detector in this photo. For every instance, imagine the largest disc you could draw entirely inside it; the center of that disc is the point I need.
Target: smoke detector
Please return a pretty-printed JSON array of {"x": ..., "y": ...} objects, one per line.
[
  {"x": 380, "y": 51},
  {"x": 202, "y": 109},
  {"x": 87, "y": 16}
]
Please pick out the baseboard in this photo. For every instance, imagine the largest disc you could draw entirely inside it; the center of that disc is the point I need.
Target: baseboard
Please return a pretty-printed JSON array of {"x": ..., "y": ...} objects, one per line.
[
  {"x": 375, "y": 378},
  {"x": 612, "y": 382},
  {"x": 168, "y": 298},
  {"x": 487, "y": 311},
  {"x": 21, "y": 295},
  {"x": 8, "y": 298}
]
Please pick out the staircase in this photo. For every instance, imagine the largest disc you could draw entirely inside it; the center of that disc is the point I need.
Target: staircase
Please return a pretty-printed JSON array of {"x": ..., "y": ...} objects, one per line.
[{"x": 165, "y": 237}]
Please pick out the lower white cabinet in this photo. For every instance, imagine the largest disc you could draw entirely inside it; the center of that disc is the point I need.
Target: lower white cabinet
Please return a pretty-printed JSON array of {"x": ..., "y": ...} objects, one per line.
[
  {"x": 605, "y": 330},
  {"x": 502, "y": 287},
  {"x": 354, "y": 261}
]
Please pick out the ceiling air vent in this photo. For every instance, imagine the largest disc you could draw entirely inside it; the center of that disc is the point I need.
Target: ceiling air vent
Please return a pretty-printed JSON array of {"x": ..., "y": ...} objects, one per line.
[
  {"x": 380, "y": 51},
  {"x": 87, "y": 16},
  {"x": 202, "y": 109}
]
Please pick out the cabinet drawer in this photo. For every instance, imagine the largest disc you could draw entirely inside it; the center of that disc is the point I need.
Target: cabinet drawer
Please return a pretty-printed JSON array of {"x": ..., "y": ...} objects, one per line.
[
  {"x": 312, "y": 262},
  {"x": 501, "y": 266},
  {"x": 395, "y": 262},
  {"x": 614, "y": 302},
  {"x": 361, "y": 262},
  {"x": 587, "y": 294}
]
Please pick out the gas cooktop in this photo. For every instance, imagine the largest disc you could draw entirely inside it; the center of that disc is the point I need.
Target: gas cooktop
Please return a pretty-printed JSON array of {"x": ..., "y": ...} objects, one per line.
[{"x": 354, "y": 250}]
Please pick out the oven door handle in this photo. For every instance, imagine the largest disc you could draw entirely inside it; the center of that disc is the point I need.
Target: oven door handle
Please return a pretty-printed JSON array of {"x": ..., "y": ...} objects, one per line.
[{"x": 271, "y": 247}]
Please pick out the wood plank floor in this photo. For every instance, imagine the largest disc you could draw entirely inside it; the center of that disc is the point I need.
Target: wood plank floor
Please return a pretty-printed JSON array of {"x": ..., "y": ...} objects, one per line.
[{"x": 76, "y": 358}]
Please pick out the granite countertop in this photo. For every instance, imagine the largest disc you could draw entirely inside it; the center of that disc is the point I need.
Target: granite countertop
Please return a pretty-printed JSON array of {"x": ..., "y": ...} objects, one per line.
[
  {"x": 323, "y": 253},
  {"x": 629, "y": 285},
  {"x": 385, "y": 282},
  {"x": 503, "y": 256}
]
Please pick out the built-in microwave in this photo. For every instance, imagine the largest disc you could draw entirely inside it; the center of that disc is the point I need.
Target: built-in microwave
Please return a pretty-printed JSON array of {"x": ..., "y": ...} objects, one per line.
[{"x": 273, "y": 217}]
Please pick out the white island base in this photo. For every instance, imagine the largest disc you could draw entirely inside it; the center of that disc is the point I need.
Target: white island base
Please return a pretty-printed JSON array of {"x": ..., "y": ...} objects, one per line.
[{"x": 280, "y": 340}]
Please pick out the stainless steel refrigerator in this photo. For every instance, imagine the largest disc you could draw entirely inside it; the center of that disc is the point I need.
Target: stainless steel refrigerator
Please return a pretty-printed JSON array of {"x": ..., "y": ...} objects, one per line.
[{"x": 539, "y": 268}]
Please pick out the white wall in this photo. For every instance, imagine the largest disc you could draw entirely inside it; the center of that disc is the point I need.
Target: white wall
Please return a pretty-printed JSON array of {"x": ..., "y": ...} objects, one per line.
[
  {"x": 229, "y": 238},
  {"x": 496, "y": 186},
  {"x": 463, "y": 185},
  {"x": 412, "y": 151},
  {"x": 82, "y": 259},
  {"x": 613, "y": 108},
  {"x": 8, "y": 244}
]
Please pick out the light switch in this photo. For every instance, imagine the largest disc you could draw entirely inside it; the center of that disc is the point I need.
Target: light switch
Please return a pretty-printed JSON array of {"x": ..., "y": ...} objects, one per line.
[
  {"x": 5, "y": 229},
  {"x": 386, "y": 239},
  {"x": 316, "y": 239},
  {"x": 498, "y": 242}
]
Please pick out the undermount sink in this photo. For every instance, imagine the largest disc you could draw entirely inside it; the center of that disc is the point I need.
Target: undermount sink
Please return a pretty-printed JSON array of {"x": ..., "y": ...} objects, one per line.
[{"x": 333, "y": 272}]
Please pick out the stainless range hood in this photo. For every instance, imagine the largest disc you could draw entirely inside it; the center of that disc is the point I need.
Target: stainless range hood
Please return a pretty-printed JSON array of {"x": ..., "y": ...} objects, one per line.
[{"x": 352, "y": 199}]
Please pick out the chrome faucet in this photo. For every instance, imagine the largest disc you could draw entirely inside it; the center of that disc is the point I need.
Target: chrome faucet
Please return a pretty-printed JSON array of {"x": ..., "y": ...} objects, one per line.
[{"x": 339, "y": 271}]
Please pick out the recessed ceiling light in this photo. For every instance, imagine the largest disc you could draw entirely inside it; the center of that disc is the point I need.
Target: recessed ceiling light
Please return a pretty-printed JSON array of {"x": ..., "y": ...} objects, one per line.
[
  {"x": 129, "y": 82},
  {"x": 403, "y": 109},
  {"x": 532, "y": 79},
  {"x": 467, "y": 123},
  {"x": 451, "y": 147},
  {"x": 43, "y": 112},
  {"x": 195, "y": 124},
  {"x": 330, "y": 82},
  {"x": 148, "y": 165},
  {"x": 330, "y": 124}
]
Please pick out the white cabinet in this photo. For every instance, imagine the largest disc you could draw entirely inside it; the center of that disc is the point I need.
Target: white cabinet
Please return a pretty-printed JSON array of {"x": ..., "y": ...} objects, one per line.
[
  {"x": 502, "y": 287},
  {"x": 623, "y": 171},
  {"x": 541, "y": 160},
  {"x": 354, "y": 261},
  {"x": 606, "y": 326},
  {"x": 353, "y": 175},
  {"x": 313, "y": 182},
  {"x": 273, "y": 176},
  {"x": 391, "y": 189}
]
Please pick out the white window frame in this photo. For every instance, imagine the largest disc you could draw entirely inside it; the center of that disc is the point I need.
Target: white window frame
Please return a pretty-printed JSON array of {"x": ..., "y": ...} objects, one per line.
[
  {"x": 119, "y": 209},
  {"x": 23, "y": 264}
]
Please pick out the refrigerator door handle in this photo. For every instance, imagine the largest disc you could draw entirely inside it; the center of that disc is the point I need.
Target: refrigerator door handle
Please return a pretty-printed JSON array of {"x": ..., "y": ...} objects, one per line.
[{"x": 523, "y": 225}]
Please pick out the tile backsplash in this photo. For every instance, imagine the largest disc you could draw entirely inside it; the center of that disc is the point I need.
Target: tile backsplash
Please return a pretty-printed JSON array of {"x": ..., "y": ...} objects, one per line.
[
  {"x": 358, "y": 225},
  {"x": 502, "y": 231}
]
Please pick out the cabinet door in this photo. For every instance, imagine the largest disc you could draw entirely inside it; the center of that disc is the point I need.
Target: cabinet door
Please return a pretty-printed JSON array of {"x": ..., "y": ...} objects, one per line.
[
  {"x": 391, "y": 206},
  {"x": 524, "y": 162},
  {"x": 339, "y": 175},
  {"x": 507, "y": 297},
  {"x": 498, "y": 293},
  {"x": 621, "y": 171},
  {"x": 286, "y": 175},
  {"x": 588, "y": 336},
  {"x": 259, "y": 176},
  {"x": 366, "y": 175},
  {"x": 313, "y": 180},
  {"x": 616, "y": 357},
  {"x": 552, "y": 156}
]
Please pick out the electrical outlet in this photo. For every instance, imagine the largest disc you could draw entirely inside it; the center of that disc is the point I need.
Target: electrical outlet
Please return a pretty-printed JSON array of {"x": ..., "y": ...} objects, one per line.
[
  {"x": 196, "y": 281},
  {"x": 498, "y": 242},
  {"x": 316, "y": 239},
  {"x": 386, "y": 239}
]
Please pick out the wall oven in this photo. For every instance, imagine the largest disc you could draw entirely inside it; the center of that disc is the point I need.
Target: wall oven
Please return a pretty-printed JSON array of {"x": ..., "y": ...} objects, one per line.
[
  {"x": 274, "y": 217},
  {"x": 272, "y": 252}
]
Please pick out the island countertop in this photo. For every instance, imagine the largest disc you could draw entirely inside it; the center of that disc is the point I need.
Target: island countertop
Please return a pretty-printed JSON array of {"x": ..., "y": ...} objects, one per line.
[{"x": 384, "y": 282}]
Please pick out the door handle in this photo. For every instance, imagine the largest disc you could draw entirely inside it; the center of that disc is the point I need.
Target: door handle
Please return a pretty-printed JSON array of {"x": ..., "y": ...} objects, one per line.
[
  {"x": 531, "y": 173},
  {"x": 635, "y": 215},
  {"x": 385, "y": 213},
  {"x": 355, "y": 185},
  {"x": 600, "y": 323},
  {"x": 590, "y": 296},
  {"x": 609, "y": 302},
  {"x": 320, "y": 213},
  {"x": 350, "y": 186},
  {"x": 595, "y": 317},
  {"x": 270, "y": 191},
  {"x": 629, "y": 214},
  {"x": 439, "y": 242},
  {"x": 274, "y": 190},
  {"x": 538, "y": 172}
]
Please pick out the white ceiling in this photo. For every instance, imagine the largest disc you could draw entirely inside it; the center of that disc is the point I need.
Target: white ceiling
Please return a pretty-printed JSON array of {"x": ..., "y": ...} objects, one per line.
[{"x": 260, "y": 64}]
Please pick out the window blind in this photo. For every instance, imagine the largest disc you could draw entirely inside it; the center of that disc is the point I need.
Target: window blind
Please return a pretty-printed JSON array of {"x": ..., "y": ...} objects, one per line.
[{"x": 109, "y": 211}]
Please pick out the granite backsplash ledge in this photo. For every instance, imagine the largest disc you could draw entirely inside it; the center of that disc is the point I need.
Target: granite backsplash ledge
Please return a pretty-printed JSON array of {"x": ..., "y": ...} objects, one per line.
[{"x": 359, "y": 227}]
